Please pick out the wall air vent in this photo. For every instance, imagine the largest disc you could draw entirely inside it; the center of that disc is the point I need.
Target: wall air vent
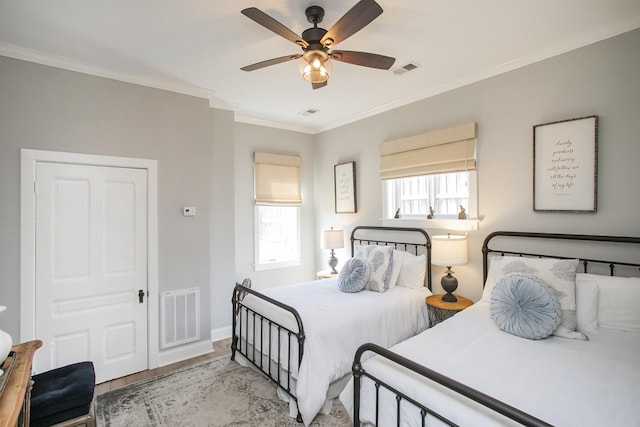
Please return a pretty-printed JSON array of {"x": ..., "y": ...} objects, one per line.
[
  {"x": 309, "y": 111},
  {"x": 179, "y": 317},
  {"x": 405, "y": 68}
]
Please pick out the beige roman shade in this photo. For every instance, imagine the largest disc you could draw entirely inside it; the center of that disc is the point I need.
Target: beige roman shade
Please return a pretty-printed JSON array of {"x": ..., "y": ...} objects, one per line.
[
  {"x": 446, "y": 150},
  {"x": 277, "y": 179}
]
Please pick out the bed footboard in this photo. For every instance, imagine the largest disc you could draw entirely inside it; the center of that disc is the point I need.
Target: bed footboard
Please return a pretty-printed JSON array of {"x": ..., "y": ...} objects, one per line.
[
  {"x": 249, "y": 329},
  {"x": 422, "y": 407}
]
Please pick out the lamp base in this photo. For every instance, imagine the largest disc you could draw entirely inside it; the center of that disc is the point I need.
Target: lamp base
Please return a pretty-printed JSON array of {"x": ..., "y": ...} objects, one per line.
[
  {"x": 333, "y": 262},
  {"x": 449, "y": 284}
]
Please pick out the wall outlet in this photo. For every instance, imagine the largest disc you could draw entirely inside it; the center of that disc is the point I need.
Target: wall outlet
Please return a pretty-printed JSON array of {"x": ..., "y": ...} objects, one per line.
[{"x": 189, "y": 211}]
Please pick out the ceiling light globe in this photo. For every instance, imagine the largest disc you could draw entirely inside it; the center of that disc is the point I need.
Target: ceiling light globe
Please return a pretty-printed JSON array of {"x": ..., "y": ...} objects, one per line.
[{"x": 315, "y": 66}]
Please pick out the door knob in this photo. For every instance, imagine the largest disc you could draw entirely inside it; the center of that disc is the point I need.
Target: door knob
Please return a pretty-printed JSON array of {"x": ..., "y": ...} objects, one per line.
[{"x": 141, "y": 296}]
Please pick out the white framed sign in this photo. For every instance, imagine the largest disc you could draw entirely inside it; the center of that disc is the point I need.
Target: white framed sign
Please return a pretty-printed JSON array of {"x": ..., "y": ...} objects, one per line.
[{"x": 565, "y": 165}]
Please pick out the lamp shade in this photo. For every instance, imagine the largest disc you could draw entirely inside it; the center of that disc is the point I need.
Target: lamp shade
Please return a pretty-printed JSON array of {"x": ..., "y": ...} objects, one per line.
[
  {"x": 449, "y": 250},
  {"x": 332, "y": 239}
]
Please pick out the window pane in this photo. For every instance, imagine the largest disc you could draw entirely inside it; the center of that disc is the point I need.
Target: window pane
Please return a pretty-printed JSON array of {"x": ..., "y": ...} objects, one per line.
[
  {"x": 277, "y": 228},
  {"x": 445, "y": 193}
]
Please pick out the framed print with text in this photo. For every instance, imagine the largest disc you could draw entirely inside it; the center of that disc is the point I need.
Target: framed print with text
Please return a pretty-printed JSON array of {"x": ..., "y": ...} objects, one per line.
[
  {"x": 565, "y": 165},
  {"x": 344, "y": 176}
]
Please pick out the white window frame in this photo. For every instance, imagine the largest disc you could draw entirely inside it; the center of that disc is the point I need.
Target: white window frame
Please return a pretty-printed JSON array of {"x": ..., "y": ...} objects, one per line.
[
  {"x": 258, "y": 266},
  {"x": 390, "y": 200}
]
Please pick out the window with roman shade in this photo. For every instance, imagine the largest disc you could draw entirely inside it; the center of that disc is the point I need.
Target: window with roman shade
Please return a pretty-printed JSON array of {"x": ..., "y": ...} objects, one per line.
[
  {"x": 446, "y": 150},
  {"x": 277, "y": 179}
]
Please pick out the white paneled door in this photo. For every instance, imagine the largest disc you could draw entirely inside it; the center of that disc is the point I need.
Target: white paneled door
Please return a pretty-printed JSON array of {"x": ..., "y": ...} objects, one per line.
[{"x": 91, "y": 268}]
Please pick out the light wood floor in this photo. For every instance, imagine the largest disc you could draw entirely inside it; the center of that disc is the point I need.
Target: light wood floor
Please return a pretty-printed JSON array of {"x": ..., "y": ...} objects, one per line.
[{"x": 219, "y": 348}]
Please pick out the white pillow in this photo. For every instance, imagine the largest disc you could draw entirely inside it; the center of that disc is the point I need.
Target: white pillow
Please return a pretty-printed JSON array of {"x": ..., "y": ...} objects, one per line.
[
  {"x": 618, "y": 302},
  {"x": 412, "y": 273},
  {"x": 379, "y": 259},
  {"x": 495, "y": 264},
  {"x": 587, "y": 295},
  {"x": 559, "y": 273},
  {"x": 396, "y": 265}
]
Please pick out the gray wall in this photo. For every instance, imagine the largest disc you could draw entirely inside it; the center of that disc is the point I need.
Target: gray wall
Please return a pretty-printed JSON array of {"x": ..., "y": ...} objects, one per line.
[
  {"x": 251, "y": 138},
  {"x": 50, "y": 109},
  {"x": 222, "y": 213},
  {"x": 599, "y": 79}
]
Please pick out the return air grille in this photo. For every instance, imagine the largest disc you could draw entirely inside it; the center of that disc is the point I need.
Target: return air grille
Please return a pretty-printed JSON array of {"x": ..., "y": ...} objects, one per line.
[{"x": 179, "y": 315}]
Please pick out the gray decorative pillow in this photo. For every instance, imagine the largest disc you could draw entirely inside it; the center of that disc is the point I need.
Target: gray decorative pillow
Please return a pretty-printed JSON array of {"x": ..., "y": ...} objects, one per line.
[
  {"x": 380, "y": 259},
  {"x": 525, "y": 306},
  {"x": 354, "y": 275}
]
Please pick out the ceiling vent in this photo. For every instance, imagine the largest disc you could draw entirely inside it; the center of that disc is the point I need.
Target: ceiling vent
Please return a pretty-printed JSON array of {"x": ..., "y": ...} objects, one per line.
[
  {"x": 309, "y": 111},
  {"x": 405, "y": 68}
]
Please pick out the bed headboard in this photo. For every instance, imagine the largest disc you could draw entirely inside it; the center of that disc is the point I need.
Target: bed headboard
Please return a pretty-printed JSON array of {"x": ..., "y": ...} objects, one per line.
[
  {"x": 613, "y": 255},
  {"x": 412, "y": 240}
]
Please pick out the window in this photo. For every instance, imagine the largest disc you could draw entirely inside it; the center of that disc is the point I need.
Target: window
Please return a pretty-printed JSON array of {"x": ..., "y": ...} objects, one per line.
[
  {"x": 444, "y": 193},
  {"x": 277, "y": 231},
  {"x": 433, "y": 172},
  {"x": 277, "y": 195}
]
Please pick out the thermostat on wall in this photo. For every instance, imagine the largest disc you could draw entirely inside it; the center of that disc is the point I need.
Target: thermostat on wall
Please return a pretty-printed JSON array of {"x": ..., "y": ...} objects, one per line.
[{"x": 189, "y": 211}]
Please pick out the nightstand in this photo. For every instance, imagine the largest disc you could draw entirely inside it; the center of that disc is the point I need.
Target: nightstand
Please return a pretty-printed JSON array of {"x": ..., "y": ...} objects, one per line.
[
  {"x": 326, "y": 274},
  {"x": 441, "y": 310}
]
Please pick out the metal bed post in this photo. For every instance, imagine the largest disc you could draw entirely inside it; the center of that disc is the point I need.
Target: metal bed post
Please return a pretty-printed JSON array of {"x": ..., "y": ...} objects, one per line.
[{"x": 237, "y": 337}]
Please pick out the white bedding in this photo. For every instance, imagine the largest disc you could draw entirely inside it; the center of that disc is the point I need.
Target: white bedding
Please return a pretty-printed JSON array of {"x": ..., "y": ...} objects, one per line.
[
  {"x": 562, "y": 381},
  {"x": 336, "y": 324}
]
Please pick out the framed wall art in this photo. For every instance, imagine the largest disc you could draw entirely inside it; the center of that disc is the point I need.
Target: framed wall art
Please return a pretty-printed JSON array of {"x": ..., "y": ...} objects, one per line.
[
  {"x": 565, "y": 165},
  {"x": 344, "y": 176}
]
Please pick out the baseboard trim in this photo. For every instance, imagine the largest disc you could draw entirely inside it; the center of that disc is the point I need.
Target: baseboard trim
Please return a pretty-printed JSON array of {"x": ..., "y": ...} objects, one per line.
[
  {"x": 220, "y": 334},
  {"x": 184, "y": 352}
]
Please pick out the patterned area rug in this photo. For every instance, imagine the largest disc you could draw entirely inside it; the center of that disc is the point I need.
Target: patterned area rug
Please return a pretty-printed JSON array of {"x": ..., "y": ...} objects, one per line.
[{"x": 217, "y": 392}]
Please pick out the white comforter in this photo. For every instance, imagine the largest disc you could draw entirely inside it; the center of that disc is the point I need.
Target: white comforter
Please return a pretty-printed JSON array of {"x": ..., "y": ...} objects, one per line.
[
  {"x": 563, "y": 382},
  {"x": 335, "y": 325}
]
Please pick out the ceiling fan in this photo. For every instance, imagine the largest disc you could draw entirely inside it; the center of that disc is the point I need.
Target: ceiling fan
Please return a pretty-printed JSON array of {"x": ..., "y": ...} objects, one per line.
[{"x": 316, "y": 42}]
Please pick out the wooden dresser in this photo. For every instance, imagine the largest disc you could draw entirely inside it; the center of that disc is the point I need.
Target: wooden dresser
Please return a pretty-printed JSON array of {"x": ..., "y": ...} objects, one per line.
[{"x": 15, "y": 398}]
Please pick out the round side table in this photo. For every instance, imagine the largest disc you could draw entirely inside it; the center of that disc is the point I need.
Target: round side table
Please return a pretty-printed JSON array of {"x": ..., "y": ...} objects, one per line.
[
  {"x": 441, "y": 310},
  {"x": 326, "y": 274}
]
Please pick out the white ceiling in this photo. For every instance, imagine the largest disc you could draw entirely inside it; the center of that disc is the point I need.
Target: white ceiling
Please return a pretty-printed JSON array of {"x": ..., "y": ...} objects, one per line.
[{"x": 197, "y": 47}]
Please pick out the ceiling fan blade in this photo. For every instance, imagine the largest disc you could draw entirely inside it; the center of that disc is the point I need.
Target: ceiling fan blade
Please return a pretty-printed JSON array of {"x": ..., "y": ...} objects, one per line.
[
  {"x": 269, "y": 62},
  {"x": 351, "y": 22},
  {"x": 268, "y": 22},
  {"x": 318, "y": 85},
  {"x": 365, "y": 59}
]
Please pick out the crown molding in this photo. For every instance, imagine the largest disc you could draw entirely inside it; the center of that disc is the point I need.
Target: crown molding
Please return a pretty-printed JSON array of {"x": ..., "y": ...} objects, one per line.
[
  {"x": 271, "y": 124},
  {"x": 62, "y": 62},
  {"x": 222, "y": 105}
]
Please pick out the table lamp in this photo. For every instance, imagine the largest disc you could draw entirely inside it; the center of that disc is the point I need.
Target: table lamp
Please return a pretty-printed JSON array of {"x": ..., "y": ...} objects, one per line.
[
  {"x": 332, "y": 239},
  {"x": 449, "y": 251}
]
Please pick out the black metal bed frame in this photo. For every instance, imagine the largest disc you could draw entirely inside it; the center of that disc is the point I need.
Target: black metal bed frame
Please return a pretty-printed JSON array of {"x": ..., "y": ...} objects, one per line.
[
  {"x": 241, "y": 331},
  {"x": 508, "y": 411}
]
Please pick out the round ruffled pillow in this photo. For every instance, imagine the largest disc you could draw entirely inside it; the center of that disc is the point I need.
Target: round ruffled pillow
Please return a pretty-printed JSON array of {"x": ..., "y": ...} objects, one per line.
[
  {"x": 354, "y": 275},
  {"x": 525, "y": 306}
]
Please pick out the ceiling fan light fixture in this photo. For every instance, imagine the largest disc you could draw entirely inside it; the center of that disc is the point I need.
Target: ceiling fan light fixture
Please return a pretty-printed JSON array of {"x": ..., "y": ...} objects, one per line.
[
  {"x": 316, "y": 42},
  {"x": 315, "y": 66}
]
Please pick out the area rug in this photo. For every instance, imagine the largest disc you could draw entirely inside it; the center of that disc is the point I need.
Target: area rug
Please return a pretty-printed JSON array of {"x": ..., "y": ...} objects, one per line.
[{"x": 218, "y": 392}]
